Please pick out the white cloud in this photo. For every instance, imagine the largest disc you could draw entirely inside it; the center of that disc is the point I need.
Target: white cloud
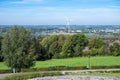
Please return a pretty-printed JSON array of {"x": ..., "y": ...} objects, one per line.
[
  {"x": 18, "y": 2},
  {"x": 50, "y": 8},
  {"x": 32, "y": 0},
  {"x": 114, "y": 6},
  {"x": 26, "y": 1}
]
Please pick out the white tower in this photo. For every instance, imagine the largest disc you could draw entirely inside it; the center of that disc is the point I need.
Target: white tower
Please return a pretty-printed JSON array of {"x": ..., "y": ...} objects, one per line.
[{"x": 67, "y": 24}]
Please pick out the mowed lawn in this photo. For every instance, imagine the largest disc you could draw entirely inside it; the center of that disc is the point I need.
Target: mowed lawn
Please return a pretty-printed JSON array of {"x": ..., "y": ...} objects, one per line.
[
  {"x": 3, "y": 66},
  {"x": 74, "y": 62},
  {"x": 80, "y": 61}
]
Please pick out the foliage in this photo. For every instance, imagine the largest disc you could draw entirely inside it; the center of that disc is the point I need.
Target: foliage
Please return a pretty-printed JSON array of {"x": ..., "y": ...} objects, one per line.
[
  {"x": 95, "y": 52},
  {"x": 46, "y": 42},
  {"x": 59, "y": 46},
  {"x": 1, "y": 57},
  {"x": 96, "y": 47},
  {"x": 5, "y": 71},
  {"x": 18, "y": 48},
  {"x": 115, "y": 49},
  {"x": 74, "y": 45},
  {"x": 53, "y": 45},
  {"x": 96, "y": 43},
  {"x": 40, "y": 51},
  {"x": 55, "y": 49}
]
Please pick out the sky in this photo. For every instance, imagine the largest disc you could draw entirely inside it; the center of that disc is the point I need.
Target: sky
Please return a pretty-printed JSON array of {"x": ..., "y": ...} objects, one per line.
[{"x": 59, "y": 12}]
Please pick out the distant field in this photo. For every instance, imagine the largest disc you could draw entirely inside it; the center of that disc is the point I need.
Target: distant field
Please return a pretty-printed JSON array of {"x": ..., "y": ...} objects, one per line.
[{"x": 74, "y": 62}]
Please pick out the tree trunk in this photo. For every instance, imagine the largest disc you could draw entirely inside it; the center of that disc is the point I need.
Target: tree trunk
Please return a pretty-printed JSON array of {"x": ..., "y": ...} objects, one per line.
[{"x": 14, "y": 70}]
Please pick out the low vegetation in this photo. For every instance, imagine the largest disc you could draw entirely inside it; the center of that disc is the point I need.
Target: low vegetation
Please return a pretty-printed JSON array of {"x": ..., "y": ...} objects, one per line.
[
  {"x": 75, "y": 62},
  {"x": 35, "y": 75},
  {"x": 31, "y": 75}
]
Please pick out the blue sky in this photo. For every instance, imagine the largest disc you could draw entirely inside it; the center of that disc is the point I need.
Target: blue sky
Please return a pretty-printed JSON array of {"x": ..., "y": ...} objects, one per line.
[{"x": 53, "y": 12}]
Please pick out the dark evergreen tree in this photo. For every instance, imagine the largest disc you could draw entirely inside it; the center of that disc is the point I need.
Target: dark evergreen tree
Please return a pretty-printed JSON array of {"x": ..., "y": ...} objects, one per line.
[
  {"x": 40, "y": 51},
  {"x": 1, "y": 57}
]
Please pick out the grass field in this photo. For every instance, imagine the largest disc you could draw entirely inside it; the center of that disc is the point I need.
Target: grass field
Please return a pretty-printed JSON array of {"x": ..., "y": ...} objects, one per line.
[
  {"x": 74, "y": 62},
  {"x": 80, "y": 61},
  {"x": 3, "y": 66}
]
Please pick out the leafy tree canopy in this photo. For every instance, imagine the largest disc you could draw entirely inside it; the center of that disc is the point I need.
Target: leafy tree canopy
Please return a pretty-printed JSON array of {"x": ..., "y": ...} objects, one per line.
[{"x": 18, "y": 48}]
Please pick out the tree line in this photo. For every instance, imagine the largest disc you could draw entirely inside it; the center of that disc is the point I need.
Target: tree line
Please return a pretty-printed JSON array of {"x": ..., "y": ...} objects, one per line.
[
  {"x": 78, "y": 45},
  {"x": 19, "y": 48}
]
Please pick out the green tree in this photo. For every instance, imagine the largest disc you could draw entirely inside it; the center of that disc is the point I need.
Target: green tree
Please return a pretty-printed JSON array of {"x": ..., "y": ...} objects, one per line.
[
  {"x": 18, "y": 49},
  {"x": 115, "y": 49},
  {"x": 56, "y": 47},
  {"x": 47, "y": 42},
  {"x": 74, "y": 45},
  {"x": 40, "y": 51},
  {"x": 96, "y": 43},
  {"x": 94, "y": 52},
  {"x": 97, "y": 47},
  {"x": 1, "y": 57}
]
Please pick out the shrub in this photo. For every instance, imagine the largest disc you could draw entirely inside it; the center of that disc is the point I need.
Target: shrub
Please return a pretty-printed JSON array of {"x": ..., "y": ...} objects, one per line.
[{"x": 5, "y": 71}]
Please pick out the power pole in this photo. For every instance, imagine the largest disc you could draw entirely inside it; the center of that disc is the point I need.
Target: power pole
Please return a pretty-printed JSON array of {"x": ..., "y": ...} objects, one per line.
[{"x": 89, "y": 62}]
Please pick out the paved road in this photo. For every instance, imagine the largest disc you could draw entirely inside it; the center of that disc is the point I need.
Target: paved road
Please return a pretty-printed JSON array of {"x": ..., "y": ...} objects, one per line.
[
  {"x": 5, "y": 75},
  {"x": 63, "y": 72}
]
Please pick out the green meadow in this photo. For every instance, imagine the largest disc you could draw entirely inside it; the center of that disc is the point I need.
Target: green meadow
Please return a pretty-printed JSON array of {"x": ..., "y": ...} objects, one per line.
[
  {"x": 75, "y": 62},
  {"x": 80, "y": 61}
]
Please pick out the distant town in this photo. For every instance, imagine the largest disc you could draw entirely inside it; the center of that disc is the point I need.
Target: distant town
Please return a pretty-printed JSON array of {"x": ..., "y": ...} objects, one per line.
[{"x": 102, "y": 31}]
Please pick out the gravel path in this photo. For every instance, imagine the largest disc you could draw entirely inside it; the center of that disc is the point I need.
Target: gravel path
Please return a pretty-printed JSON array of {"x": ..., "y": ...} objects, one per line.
[
  {"x": 8, "y": 74},
  {"x": 76, "y": 78}
]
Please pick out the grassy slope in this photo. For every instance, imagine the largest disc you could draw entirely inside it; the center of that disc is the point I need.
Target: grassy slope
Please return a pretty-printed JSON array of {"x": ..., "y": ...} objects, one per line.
[
  {"x": 3, "y": 66},
  {"x": 80, "y": 61}
]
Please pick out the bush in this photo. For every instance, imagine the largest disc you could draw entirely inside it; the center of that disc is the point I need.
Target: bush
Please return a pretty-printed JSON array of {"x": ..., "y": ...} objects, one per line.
[
  {"x": 105, "y": 67},
  {"x": 5, "y": 71}
]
